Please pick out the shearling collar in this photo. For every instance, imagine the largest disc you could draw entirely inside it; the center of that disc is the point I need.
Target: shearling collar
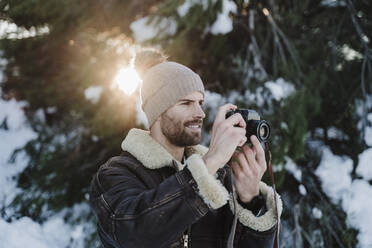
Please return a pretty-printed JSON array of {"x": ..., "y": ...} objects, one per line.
[{"x": 150, "y": 153}]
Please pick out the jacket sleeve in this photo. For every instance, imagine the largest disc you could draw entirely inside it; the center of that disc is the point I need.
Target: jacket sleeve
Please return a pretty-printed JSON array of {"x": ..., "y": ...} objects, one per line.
[
  {"x": 131, "y": 215},
  {"x": 252, "y": 230}
]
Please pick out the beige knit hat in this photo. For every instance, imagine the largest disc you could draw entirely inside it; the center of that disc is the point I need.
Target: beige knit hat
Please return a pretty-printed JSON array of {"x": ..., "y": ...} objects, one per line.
[{"x": 164, "y": 83}]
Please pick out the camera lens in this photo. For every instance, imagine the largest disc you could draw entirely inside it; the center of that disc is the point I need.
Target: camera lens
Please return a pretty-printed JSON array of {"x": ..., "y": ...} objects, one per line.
[{"x": 263, "y": 131}]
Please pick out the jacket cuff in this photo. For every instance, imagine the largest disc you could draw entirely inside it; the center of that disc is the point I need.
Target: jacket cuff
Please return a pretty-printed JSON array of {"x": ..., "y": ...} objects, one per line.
[
  {"x": 264, "y": 222},
  {"x": 213, "y": 193}
]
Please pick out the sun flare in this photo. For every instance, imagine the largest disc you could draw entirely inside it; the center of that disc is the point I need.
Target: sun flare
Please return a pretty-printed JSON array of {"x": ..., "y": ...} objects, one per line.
[{"x": 127, "y": 80}]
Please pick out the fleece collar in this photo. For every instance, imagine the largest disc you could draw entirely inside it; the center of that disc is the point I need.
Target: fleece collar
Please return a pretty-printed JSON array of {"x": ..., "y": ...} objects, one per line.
[{"x": 150, "y": 153}]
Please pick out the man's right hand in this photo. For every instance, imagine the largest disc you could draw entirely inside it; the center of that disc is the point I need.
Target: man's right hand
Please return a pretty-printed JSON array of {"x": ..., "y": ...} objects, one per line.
[{"x": 227, "y": 135}]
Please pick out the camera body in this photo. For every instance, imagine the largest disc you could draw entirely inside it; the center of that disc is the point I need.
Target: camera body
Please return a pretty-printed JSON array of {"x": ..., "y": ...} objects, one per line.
[{"x": 254, "y": 124}]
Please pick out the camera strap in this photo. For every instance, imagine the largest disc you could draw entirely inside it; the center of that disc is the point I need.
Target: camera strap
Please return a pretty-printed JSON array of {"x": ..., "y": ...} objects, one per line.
[{"x": 276, "y": 240}]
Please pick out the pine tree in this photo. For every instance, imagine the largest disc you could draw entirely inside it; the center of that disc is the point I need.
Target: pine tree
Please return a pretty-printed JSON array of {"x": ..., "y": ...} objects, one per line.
[{"x": 305, "y": 45}]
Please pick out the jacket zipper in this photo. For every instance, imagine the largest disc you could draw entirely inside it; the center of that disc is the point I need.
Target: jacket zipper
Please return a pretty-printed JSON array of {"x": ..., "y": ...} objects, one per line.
[
  {"x": 185, "y": 241},
  {"x": 186, "y": 238}
]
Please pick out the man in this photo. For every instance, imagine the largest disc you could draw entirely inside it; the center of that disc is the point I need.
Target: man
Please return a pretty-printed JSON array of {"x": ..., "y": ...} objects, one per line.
[{"x": 165, "y": 190}]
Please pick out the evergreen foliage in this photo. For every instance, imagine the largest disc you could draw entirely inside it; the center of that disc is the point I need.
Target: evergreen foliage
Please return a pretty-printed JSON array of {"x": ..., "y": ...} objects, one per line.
[{"x": 306, "y": 43}]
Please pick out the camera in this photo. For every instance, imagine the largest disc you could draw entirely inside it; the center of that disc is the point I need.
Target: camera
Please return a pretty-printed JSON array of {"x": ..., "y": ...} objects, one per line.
[{"x": 254, "y": 124}]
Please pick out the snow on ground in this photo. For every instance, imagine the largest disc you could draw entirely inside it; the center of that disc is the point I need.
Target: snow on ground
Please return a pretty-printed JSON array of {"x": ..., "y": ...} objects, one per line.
[
  {"x": 25, "y": 232},
  {"x": 354, "y": 196}
]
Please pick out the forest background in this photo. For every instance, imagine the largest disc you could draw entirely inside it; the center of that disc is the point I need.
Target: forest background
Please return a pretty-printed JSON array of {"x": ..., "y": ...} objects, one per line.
[{"x": 305, "y": 66}]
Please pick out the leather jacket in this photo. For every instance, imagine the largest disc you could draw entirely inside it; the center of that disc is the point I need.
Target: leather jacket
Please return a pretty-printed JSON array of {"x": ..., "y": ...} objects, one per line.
[{"x": 144, "y": 198}]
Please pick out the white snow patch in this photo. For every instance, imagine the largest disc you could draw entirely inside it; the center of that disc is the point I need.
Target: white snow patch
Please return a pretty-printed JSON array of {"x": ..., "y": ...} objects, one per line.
[
  {"x": 144, "y": 30},
  {"x": 93, "y": 93},
  {"x": 10, "y": 30},
  {"x": 355, "y": 196},
  {"x": 94, "y": 138},
  {"x": 24, "y": 232},
  {"x": 17, "y": 135},
  {"x": 27, "y": 233},
  {"x": 333, "y": 3},
  {"x": 280, "y": 88},
  {"x": 184, "y": 8},
  {"x": 213, "y": 101},
  {"x": 317, "y": 213},
  {"x": 293, "y": 168},
  {"x": 302, "y": 189},
  {"x": 349, "y": 53},
  {"x": 364, "y": 168},
  {"x": 223, "y": 23},
  {"x": 368, "y": 136},
  {"x": 334, "y": 172},
  {"x": 51, "y": 110},
  {"x": 335, "y": 133},
  {"x": 357, "y": 205}
]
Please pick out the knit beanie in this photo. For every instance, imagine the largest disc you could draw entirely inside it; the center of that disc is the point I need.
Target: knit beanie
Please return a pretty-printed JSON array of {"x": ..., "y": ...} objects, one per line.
[{"x": 164, "y": 83}]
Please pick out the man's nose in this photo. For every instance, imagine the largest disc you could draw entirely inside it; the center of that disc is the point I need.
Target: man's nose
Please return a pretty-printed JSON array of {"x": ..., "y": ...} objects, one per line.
[{"x": 199, "y": 112}]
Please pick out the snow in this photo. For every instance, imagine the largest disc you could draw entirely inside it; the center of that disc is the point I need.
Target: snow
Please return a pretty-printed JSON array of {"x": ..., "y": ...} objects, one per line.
[
  {"x": 24, "y": 232},
  {"x": 333, "y": 3},
  {"x": 368, "y": 131},
  {"x": 10, "y": 30},
  {"x": 334, "y": 172},
  {"x": 357, "y": 205},
  {"x": 16, "y": 136},
  {"x": 93, "y": 93},
  {"x": 302, "y": 189},
  {"x": 364, "y": 168},
  {"x": 280, "y": 88},
  {"x": 317, "y": 213},
  {"x": 293, "y": 169},
  {"x": 184, "y": 8},
  {"x": 27, "y": 233},
  {"x": 223, "y": 23},
  {"x": 355, "y": 196},
  {"x": 51, "y": 110},
  {"x": 349, "y": 53},
  {"x": 144, "y": 30},
  {"x": 335, "y": 133}
]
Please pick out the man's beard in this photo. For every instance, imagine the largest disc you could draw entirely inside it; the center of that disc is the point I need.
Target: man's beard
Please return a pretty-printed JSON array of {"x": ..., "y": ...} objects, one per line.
[{"x": 176, "y": 131}]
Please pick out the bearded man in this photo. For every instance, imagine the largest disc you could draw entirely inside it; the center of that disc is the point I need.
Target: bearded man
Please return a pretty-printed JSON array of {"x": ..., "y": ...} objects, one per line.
[{"x": 166, "y": 190}]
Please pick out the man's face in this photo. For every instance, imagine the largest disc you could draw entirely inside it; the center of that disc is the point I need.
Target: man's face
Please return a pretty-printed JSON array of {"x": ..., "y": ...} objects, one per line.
[{"x": 182, "y": 123}]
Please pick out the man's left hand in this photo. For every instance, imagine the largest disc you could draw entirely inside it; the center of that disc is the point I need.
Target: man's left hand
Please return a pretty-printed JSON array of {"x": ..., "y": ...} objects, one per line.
[{"x": 249, "y": 165}]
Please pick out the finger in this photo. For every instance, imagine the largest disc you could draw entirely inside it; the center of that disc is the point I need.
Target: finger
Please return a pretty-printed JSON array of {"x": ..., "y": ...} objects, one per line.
[
  {"x": 245, "y": 167},
  {"x": 261, "y": 164},
  {"x": 236, "y": 120},
  {"x": 250, "y": 157},
  {"x": 236, "y": 169},
  {"x": 242, "y": 141},
  {"x": 260, "y": 153},
  {"x": 221, "y": 114}
]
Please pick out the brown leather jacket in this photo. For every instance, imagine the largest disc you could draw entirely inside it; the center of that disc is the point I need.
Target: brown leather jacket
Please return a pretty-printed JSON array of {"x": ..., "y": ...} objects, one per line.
[{"x": 144, "y": 198}]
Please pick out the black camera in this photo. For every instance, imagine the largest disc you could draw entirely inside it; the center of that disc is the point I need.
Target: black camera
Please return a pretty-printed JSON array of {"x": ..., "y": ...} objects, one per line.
[{"x": 255, "y": 126}]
